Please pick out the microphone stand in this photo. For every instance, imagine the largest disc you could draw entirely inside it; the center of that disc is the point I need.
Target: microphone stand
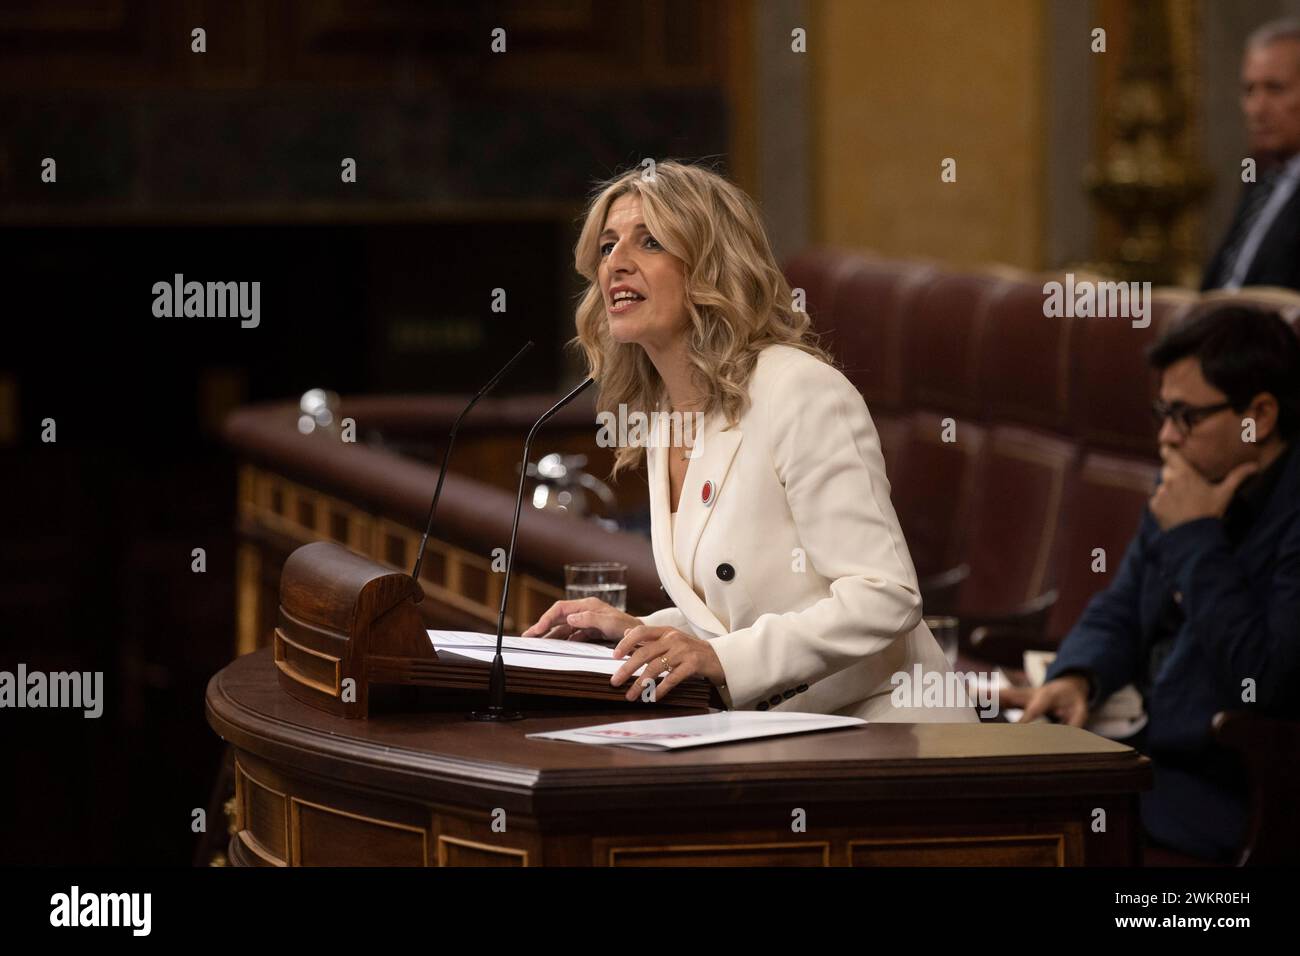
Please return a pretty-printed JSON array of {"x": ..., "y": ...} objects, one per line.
[
  {"x": 496, "y": 709},
  {"x": 446, "y": 455}
]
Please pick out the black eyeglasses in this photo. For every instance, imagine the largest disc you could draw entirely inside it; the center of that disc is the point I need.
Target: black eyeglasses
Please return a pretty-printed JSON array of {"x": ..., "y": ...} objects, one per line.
[{"x": 1185, "y": 417}]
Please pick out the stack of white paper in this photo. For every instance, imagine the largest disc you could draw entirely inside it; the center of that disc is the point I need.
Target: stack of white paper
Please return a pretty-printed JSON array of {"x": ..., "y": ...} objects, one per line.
[
  {"x": 538, "y": 653},
  {"x": 677, "y": 733}
]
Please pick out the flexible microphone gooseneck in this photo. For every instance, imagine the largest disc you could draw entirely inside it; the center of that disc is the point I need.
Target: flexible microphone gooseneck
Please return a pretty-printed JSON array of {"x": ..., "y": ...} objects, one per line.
[
  {"x": 496, "y": 709},
  {"x": 446, "y": 455}
]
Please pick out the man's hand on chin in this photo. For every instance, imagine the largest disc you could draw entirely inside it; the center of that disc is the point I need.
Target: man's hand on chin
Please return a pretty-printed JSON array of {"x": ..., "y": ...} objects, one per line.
[{"x": 1185, "y": 496}]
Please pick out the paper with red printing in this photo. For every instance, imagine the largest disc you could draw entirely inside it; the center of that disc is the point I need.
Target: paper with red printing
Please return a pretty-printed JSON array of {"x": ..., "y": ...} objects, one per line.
[{"x": 677, "y": 733}]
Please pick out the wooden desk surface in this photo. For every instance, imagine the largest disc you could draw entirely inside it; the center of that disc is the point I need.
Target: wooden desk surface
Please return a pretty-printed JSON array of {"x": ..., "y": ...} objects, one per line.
[{"x": 439, "y": 758}]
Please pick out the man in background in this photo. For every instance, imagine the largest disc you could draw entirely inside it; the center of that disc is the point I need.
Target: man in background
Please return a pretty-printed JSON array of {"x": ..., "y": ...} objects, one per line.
[
  {"x": 1262, "y": 246},
  {"x": 1204, "y": 611}
]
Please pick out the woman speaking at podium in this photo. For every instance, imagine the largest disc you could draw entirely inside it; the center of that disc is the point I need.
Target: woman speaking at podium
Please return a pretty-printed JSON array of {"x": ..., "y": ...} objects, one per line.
[{"x": 772, "y": 531}]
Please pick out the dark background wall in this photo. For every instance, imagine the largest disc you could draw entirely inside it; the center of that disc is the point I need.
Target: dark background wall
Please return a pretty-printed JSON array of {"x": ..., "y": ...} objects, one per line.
[{"x": 225, "y": 166}]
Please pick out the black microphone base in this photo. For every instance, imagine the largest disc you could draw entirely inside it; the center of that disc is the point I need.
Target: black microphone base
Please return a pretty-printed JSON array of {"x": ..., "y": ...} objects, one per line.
[{"x": 496, "y": 708}]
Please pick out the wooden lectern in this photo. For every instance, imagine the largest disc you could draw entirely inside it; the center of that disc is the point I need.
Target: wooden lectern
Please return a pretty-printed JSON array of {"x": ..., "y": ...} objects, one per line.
[{"x": 346, "y": 622}]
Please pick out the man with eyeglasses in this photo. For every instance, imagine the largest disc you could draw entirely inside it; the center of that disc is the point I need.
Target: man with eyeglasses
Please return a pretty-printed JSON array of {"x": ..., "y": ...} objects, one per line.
[{"x": 1204, "y": 611}]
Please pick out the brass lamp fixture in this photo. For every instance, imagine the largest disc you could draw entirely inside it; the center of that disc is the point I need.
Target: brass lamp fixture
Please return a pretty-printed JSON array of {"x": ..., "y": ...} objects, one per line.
[{"x": 1147, "y": 181}]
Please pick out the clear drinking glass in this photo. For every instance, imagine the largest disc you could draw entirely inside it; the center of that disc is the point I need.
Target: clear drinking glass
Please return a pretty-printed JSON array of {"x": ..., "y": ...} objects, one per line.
[
  {"x": 944, "y": 629},
  {"x": 606, "y": 580}
]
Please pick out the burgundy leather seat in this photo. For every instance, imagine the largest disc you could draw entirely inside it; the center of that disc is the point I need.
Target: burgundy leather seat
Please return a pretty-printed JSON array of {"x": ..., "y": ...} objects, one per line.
[
  {"x": 1024, "y": 360},
  {"x": 1112, "y": 382},
  {"x": 1023, "y": 489},
  {"x": 872, "y": 303},
  {"x": 941, "y": 342},
  {"x": 818, "y": 271},
  {"x": 1055, "y": 449},
  {"x": 933, "y": 484},
  {"x": 1108, "y": 496},
  {"x": 1054, "y": 458}
]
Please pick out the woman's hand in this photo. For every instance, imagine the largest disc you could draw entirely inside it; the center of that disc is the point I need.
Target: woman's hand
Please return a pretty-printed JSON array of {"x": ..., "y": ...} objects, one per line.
[
  {"x": 585, "y": 619},
  {"x": 685, "y": 656}
]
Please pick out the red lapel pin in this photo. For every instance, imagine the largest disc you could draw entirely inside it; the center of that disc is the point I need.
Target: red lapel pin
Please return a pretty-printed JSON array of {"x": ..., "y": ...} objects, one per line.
[{"x": 706, "y": 493}]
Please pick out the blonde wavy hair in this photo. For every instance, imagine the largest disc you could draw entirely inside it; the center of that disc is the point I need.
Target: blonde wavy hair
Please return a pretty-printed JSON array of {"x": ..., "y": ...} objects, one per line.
[{"x": 737, "y": 299}]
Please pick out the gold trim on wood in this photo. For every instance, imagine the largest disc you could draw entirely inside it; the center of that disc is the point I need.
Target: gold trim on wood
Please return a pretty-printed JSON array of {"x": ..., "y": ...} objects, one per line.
[
  {"x": 295, "y": 835},
  {"x": 246, "y": 495},
  {"x": 435, "y": 571},
  {"x": 715, "y": 847},
  {"x": 386, "y": 530},
  {"x": 476, "y": 845},
  {"x": 239, "y": 801},
  {"x": 1040, "y": 838},
  {"x": 245, "y": 835},
  {"x": 288, "y": 512},
  {"x": 482, "y": 611},
  {"x": 368, "y": 534},
  {"x": 361, "y": 529},
  {"x": 252, "y": 844},
  {"x": 248, "y": 577},
  {"x": 294, "y": 674}
]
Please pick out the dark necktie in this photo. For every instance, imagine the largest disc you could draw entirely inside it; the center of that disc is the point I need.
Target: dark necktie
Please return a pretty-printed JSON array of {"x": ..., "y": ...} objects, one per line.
[{"x": 1256, "y": 200}]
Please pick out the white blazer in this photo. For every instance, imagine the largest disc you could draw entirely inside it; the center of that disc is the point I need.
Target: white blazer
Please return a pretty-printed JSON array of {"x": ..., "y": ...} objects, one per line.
[{"x": 788, "y": 556}]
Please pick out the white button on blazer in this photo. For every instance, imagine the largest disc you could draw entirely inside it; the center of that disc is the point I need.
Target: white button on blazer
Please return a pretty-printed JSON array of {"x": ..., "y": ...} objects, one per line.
[{"x": 809, "y": 595}]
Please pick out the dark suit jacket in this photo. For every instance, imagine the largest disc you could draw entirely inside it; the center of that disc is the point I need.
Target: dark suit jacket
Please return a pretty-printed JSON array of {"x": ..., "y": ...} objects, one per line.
[
  {"x": 1277, "y": 260},
  {"x": 1240, "y": 620}
]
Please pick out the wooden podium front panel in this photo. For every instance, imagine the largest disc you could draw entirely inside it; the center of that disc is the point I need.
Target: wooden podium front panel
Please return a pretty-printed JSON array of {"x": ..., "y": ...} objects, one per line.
[
  {"x": 261, "y": 820},
  {"x": 328, "y": 836},
  {"x": 453, "y": 851},
  {"x": 743, "y": 852},
  {"x": 435, "y": 789},
  {"x": 920, "y": 835},
  {"x": 989, "y": 850}
]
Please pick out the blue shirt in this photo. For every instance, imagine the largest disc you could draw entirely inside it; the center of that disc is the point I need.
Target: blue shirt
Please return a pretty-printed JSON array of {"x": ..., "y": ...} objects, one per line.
[{"x": 1238, "y": 595}]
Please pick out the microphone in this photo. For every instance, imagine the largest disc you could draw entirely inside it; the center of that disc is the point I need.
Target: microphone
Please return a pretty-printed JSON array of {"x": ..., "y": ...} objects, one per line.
[
  {"x": 446, "y": 455},
  {"x": 496, "y": 709}
]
